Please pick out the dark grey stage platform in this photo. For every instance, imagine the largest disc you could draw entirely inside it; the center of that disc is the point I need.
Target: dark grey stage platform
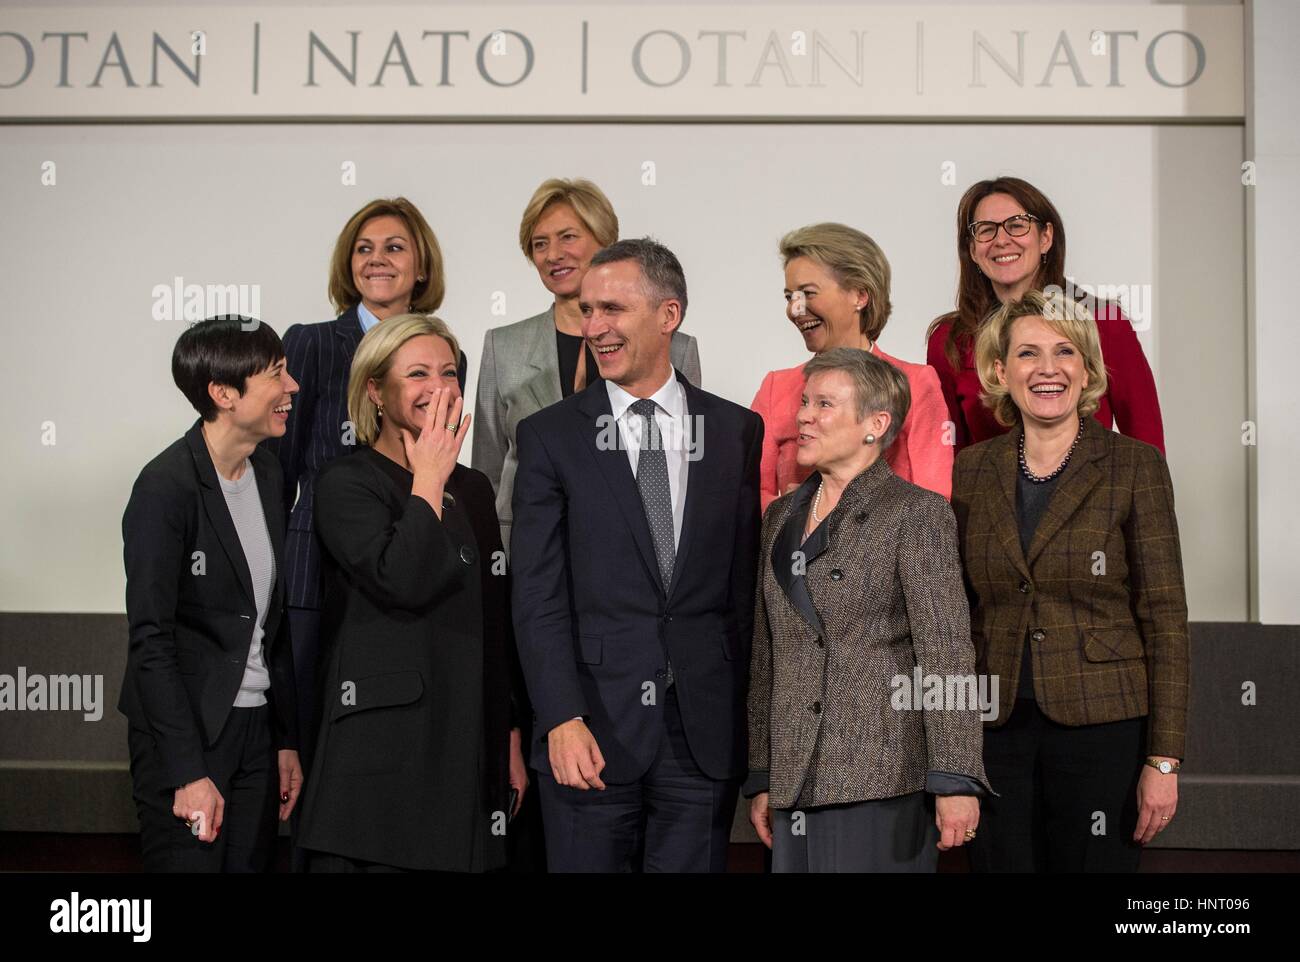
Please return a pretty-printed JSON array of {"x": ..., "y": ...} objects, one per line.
[{"x": 1240, "y": 789}]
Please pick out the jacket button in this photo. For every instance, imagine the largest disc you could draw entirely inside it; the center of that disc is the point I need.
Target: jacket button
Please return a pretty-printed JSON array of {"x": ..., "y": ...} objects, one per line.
[
  {"x": 1037, "y": 634},
  {"x": 1023, "y": 587},
  {"x": 860, "y": 517},
  {"x": 467, "y": 554},
  {"x": 836, "y": 574},
  {"x": 821, "y": 642},
  {"x": 816, "y": 708}
]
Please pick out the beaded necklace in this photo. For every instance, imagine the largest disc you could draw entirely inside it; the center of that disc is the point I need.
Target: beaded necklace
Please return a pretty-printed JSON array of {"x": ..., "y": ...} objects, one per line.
[{"x": 1043, "y": 479}]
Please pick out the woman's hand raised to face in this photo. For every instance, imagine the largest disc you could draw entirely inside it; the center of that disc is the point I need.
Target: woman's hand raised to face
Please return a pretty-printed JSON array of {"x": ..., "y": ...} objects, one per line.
[{"x": 433, "y": 455}]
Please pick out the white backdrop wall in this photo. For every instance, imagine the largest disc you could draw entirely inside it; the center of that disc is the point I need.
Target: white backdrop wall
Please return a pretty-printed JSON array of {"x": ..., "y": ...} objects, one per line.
[{"x": 137, "y": 206}]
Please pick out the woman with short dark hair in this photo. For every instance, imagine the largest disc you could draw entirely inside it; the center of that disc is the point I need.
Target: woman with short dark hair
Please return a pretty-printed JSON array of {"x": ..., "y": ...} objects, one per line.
[{"x": 209, "y": 686}]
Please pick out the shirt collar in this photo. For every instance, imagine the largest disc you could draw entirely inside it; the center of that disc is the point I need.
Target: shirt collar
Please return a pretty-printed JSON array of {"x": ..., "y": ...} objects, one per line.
[
  {"x": 367, "y": 319},
  {"x": 670, "y": 397}
]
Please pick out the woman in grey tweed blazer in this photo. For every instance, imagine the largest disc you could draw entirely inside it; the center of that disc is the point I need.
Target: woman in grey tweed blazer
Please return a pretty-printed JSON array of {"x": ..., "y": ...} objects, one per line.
[
  {"x": 864, "y": 711},
  {"x": 535, "y": 363}
]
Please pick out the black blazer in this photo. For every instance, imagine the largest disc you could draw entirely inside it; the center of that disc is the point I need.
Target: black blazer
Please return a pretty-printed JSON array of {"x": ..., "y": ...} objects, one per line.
[
  {"x": 319, "y": 357},
  {"x": 592, "y": 620},
  {"x": 190, "y": 616},
  {"x": 412, "y": 758}
]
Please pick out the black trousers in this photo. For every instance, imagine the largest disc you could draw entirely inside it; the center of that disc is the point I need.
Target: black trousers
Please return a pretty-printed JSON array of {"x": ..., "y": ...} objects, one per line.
[
  {"x": 304, "y": 638},
  {"x": 1067, "y": 795},
  {"x": 242, "y": 764},
  {"x": 674, "y": 819}
]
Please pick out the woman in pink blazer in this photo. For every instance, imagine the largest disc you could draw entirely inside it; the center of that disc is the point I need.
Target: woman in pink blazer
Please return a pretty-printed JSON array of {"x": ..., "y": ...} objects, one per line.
[{"x": 837, "y": 295}]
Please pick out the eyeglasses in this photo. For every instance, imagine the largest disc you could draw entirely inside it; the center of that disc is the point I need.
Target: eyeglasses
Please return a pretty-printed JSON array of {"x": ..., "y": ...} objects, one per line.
[{"x": 1017, "y": 225}]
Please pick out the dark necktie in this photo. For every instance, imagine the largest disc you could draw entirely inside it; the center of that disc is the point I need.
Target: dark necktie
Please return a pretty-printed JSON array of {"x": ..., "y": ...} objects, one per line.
[{"x": 656, "y": 495}]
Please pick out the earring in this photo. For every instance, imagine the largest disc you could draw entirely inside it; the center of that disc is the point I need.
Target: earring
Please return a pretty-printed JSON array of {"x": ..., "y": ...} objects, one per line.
[
  {"x": 870, "y": 439},
  {"x": 381, "y": 410},
  {"x": 1043, "y": 259},
  {"x": 420, "y": 278}
]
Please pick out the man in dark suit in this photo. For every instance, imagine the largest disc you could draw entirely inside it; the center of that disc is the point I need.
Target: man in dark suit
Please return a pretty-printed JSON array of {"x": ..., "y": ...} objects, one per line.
[
  {"x": 209, "y": 688},
  {"x": 633, "y": 550}
]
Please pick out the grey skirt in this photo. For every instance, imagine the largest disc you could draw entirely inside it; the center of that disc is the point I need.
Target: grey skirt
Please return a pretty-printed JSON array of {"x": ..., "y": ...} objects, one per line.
[{"x": 888, "y": 835}]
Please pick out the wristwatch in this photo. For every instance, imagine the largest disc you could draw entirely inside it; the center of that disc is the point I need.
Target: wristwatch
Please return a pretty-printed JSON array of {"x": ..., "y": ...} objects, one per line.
[{"x": 1164, "y": 768}]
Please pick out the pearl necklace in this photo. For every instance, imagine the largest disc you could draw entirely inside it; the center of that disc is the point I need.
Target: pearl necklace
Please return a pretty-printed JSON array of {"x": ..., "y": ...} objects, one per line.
[
  {"x": 1036, "y": 479},
  {"x": 817, "y": 500}
]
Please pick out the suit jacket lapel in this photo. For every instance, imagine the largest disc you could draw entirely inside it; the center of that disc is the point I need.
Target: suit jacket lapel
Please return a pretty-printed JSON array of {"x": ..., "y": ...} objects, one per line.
[
  {"x": 214, "y": 503},
  {"x": 1076, "y": 482},
  {"x": 273, "y": 510},
  {"x": 541, "y": 357},
  {"x": 348, "y": 327},
  {"x": 788, "y": 540},
  {"x": 697, "y": 404},
  {"x": 1006, "y": 465},
  {"x": 601, "y": 437}
]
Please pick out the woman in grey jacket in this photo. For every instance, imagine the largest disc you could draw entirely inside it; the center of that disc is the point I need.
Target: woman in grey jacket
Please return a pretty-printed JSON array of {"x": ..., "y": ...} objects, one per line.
[
  {"x": 864, "y": 726},
  {"x": 535, "y": 363}
]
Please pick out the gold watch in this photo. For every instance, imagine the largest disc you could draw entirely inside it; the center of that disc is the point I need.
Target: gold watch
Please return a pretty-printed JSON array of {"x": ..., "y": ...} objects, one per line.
[{"x": 1164, "y": 767}]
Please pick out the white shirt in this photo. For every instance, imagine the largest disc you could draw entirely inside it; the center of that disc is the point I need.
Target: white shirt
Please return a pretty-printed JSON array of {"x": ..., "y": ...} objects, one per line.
[
  {"x": 671, "y": 416},
  {"x": 366, "y": 317},
  {"x": 245, "y": 505}
]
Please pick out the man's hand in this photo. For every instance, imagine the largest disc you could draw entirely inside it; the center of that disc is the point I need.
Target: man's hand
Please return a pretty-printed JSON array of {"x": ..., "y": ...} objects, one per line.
[
  {"x": 290, "y": 781},
  {"x": 760, "y": 816},
  {"x": 576, "y": 761},
  {"x": 199, "y": 803}
]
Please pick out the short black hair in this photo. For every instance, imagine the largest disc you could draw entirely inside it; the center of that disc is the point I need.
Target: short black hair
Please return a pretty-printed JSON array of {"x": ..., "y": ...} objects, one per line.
[
  {"x": 227, "y": 349},
  {"x": 659, "y": 266}
]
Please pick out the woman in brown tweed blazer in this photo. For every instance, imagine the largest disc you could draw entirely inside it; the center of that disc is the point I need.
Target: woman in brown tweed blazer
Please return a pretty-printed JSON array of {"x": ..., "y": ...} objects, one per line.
[
  {"x": 861, "y": 604},
  {"x": 1071, "y": 554}
]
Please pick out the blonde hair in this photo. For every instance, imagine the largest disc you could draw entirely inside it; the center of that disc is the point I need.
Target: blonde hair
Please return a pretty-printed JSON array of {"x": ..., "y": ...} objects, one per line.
[
  {"x": 427, "y": 294},
  {"x": 855, "y": 259},
  {"x": 375, "y": 356},
  {"x": 1066, "y": 317},
  {"x": 588, "y": 202}
]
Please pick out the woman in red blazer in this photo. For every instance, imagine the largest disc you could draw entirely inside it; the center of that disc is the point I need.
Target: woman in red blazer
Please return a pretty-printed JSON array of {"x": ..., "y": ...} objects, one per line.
[
  {"x": 837, "y": 294},
  {"x": 1010, "y": 240}
]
